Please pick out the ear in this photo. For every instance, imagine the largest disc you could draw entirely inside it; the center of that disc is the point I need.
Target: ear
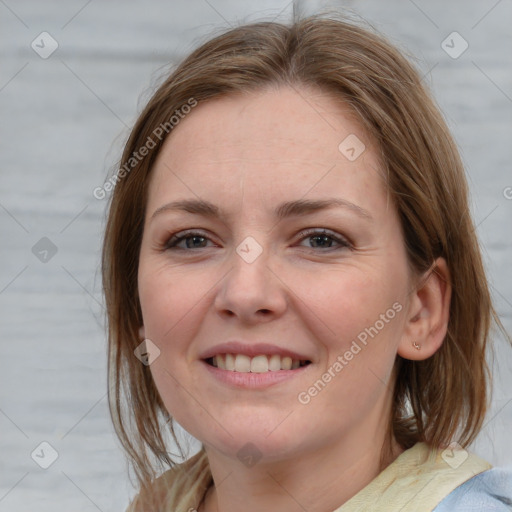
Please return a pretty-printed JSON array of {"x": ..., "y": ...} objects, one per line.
[
  {"x": 428, "y": 314},
  {"x": 142, "y": 333}
]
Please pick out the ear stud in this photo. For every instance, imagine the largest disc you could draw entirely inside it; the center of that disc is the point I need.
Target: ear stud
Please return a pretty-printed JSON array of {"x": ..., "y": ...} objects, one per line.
[{"x": 416, "y": 345}]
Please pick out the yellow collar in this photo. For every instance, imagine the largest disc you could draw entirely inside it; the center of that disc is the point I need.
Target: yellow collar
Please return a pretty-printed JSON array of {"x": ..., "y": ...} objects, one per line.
[{"x": 417, "y": 480}]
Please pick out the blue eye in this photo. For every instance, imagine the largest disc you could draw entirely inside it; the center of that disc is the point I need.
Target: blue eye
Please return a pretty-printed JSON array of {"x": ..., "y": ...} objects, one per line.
[
  {"x": 192, "y": 239},
  {"x": 324, "y": 239}
]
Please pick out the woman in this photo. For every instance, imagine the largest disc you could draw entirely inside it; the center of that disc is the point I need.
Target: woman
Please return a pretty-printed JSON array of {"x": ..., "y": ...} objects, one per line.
[{"x": 292, "y": 275}]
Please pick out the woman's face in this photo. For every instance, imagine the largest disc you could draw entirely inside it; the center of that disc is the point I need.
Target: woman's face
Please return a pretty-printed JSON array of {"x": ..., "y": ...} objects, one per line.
[{"x": 297, "y": 253}]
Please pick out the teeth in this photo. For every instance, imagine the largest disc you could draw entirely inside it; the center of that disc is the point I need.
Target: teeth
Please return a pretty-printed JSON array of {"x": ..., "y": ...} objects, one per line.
[
  {"x": 230, "y": 362},
  {"x": 242, "y": 363},
  {"x": 259, "y": 364},
  {"x": 286, "y": 363},
  {"x": 274, "y": 363}
]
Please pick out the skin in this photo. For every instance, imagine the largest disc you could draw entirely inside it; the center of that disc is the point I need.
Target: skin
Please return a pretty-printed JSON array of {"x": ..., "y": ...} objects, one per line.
[{"x": 247, "y": 154}]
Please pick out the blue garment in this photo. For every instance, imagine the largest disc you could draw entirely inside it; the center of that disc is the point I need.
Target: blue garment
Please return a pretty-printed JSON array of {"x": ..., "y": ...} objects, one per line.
[{"x": 487, "y": 491}]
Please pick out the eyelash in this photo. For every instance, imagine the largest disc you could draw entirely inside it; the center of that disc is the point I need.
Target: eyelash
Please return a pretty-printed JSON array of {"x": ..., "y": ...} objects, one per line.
[{"x": 172, "y": 243}]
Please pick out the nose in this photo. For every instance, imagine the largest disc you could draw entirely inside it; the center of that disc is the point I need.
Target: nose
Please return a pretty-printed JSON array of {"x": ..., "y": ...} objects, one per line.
[{"x": 251, "y": 292}]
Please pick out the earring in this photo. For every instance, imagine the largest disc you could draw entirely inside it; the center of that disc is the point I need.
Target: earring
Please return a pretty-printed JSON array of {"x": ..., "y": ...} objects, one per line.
[{"x": 416, "y": 345}]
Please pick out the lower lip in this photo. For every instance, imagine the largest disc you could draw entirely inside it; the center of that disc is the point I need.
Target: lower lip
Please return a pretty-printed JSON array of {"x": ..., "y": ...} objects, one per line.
[{"x": 254, "y": 380}]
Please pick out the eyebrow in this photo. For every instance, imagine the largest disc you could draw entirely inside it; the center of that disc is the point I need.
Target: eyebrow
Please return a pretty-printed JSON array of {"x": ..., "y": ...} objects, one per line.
[{"x": 288, "y": 209}]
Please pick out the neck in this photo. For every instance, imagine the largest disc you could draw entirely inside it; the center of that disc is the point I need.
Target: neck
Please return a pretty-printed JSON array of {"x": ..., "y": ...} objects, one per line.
[{"x": 319, "y": 480}]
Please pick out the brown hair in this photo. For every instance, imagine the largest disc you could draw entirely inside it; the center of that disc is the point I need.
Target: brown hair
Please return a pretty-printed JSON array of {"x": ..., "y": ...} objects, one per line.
[{"x": 434, "y": 400}]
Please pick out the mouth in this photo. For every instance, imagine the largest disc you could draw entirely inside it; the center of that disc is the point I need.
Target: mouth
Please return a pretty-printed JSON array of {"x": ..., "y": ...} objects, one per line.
[{"x": 262, "y": 363}]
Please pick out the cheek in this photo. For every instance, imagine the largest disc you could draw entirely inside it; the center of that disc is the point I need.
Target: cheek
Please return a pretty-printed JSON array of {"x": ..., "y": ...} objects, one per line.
[
  {"x": 361, "y": 314},
  {"x": 343, "y": 303},
  {"x": 358, "y": 319},
  {"x": 171, "y": 303},
  {"x": 169, "y": 297}
]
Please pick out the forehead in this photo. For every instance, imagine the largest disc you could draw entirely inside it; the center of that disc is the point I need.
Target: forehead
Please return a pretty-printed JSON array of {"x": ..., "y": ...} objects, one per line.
[{"x": 285, "y": 141}]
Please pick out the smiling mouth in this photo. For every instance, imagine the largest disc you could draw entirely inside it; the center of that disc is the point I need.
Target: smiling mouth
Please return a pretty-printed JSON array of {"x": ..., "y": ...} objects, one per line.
[{"x": 258, "y": 364}]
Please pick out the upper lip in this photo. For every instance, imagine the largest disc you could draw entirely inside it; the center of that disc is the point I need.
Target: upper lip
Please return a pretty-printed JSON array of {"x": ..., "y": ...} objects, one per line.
[{"x": 251, "y": 350}]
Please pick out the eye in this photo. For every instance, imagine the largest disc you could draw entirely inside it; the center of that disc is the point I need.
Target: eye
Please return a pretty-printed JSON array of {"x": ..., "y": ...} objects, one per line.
[
  {"x": 187, "y": 240},
  {"x": 318, "y": 238},
  {"x": 324, "y": 239}
]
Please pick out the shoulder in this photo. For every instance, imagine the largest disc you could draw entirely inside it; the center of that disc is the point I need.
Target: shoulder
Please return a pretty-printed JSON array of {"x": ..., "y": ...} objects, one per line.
[{"x": 490, "y": 490}]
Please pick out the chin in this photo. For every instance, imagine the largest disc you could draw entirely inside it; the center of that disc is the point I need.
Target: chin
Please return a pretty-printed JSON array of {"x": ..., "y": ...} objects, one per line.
[{"x": 250, "y": 445}]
